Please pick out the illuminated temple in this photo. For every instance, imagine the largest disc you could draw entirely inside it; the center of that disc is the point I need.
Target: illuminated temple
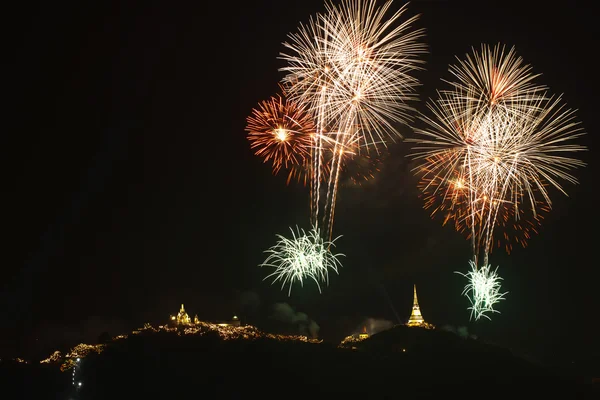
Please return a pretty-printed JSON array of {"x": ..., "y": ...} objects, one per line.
[
  {"x": 363, "y": 335},
  {"x": 416, "y": 319},
  {"x": 183, "y": 319}
]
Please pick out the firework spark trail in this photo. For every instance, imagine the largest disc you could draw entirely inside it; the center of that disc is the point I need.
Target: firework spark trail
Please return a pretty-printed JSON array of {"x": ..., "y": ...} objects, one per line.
[
  {"x": 494, "y": 78},
  {"x": 358, "y": 28},
  {"x": 504, "y": 139},
  {"x": 450, "y": 197},
  {"x": 304, "y": 256},
  {"x": 341, "y": 147},
  {"x": 518, "y": 159}
]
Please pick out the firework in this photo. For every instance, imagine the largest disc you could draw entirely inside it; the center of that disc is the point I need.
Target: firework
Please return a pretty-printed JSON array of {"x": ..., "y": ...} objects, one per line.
[
  {"x": 504, "y": 162},
  {"x": 352, "y": 68},
  {"x": 301, "y": 257},
  {"x": 494, "y": 145},
  {"x": 483, "y": 290},
  {"x": 280, "y": 131},
  {"x": 500, "y": 158}
]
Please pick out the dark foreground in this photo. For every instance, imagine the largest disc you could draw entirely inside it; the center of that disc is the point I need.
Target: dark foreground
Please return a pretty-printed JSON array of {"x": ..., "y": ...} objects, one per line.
[{"x": 399, "y": 363}]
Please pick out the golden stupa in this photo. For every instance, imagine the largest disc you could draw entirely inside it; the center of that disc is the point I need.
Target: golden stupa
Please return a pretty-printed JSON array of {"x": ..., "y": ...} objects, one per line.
[{"x": 416, "y": 319}]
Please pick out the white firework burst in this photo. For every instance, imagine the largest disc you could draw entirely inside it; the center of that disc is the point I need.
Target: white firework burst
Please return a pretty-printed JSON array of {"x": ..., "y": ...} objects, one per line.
[
  {"x": 303, "y": 256},
  {"x": 483, "y": 290}
]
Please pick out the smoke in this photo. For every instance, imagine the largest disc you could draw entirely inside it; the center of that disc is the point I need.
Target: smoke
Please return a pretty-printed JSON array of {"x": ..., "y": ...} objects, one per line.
[
  {"x": 375, "y": 325},
  {"x": 283, "y": 312},
  {"x": 461, "y": 331}
]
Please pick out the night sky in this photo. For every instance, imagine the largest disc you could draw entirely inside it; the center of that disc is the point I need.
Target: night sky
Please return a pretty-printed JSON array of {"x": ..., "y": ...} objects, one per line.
[{"x": 132, "y": 188}]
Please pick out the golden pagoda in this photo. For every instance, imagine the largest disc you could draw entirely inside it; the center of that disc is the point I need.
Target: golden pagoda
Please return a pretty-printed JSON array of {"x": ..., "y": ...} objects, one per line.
[
  {"x": 182, "y": 317},
  {"x": 416, "y": 319}
]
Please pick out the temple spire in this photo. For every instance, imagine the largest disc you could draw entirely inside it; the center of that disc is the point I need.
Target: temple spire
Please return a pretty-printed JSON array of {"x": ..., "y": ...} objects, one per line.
[
  {"x": 416, "y": 319},
  {"x": 415, "y": 301}
]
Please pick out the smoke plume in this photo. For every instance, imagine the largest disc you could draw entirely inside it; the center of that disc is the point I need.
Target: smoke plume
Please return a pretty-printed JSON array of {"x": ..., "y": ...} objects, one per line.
[
  {"x": 374, "y": 325},
  {"x": 283, "y": 312},
  {"x": 461, "y": 331}
]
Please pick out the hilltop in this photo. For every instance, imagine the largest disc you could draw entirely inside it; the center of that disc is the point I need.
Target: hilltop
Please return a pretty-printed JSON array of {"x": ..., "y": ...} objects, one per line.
[{"x": 236, "y": 361}]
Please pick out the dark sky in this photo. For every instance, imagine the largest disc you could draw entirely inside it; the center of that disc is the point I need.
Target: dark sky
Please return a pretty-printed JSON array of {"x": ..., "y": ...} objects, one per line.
[{"x": 131, "y": 186}]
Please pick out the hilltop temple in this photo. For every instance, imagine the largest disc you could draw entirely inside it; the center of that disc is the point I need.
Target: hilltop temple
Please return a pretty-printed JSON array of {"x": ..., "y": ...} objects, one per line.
[
  {"x": 183, "y": 319},
  {"x": 416, "y": 319},
  {"x": 363, "y": 335}
]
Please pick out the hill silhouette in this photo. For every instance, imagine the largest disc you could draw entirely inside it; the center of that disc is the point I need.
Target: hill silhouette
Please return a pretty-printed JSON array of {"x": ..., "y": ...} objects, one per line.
[{"x": 401, "y": 361}]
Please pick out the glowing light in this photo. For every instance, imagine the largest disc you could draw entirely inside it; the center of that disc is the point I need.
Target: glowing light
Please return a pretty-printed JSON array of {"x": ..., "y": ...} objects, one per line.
[
  {"x": 304, "y": 256},
  {"x": 55, "y": 357},
  {"x": 281, "y": 134},
  {"x": 79, "y": 352},
  {"x": 483, "y": 290}
]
